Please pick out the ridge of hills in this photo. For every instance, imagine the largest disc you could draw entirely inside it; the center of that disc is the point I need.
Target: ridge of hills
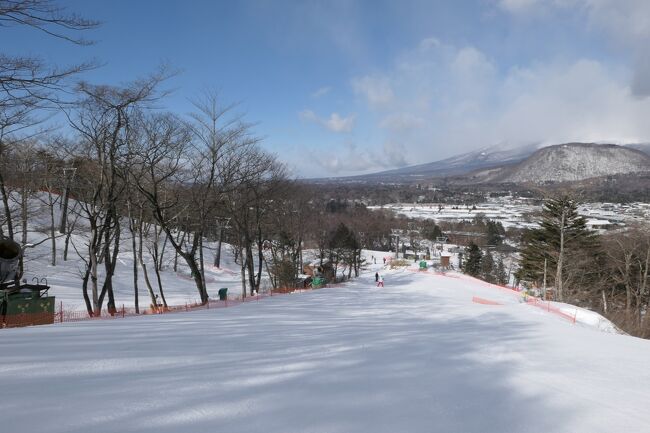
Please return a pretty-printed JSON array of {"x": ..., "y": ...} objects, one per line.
[{"x": 566, "y": 162}]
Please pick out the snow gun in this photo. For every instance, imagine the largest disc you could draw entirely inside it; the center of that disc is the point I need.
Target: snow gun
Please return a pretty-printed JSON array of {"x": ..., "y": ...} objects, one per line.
[{"x": 21, "y": 304}]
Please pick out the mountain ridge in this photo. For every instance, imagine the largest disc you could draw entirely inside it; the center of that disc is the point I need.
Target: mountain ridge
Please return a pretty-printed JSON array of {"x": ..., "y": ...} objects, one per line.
[
  {"x": 487, "y": 164},
  {"x": 569, "y": 162}
]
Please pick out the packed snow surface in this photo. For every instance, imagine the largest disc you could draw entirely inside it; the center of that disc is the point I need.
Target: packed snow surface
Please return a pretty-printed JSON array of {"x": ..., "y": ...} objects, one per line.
[{"x": 415, "y": 356}]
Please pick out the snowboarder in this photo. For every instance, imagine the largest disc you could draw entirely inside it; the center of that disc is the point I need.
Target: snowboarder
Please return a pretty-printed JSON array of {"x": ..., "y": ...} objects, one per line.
[
  {"x": 376, "y": 277},
  {"x": 380, "y": 281}
]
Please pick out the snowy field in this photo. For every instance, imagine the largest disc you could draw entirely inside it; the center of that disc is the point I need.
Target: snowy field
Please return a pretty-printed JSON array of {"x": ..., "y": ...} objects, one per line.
[
  {"x": 508, "y": 214},
  {"x": 515, "y": 212},
  {"x": 415, "y": 356}
]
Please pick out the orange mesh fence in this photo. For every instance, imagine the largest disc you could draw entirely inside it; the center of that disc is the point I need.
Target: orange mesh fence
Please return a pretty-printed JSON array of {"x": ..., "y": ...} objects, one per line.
[
  {"x": 478, "y": 300},
  {"x": 62, "y": 315},
  {"x": 530, "y": 300},
  {"x": 546, "y": 306},
  {"x": 27, "y": 319}
]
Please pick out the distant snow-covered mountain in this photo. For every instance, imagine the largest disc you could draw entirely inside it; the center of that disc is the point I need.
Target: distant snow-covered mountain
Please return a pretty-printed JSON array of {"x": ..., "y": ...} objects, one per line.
[
  {"x": 523, "y": 164},
  {"x": 569, "y": 162},
  {"x": 487, "y": 157}
]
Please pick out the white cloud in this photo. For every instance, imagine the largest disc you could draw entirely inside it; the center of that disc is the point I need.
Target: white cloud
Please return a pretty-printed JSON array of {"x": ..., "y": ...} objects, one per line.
[
  {"x": 446, "y": 100},
  {"x": 308, "y": 115},
  {"x": 518, "y": 6},
  {"x": 375, "y": 89},
  {"x": 350, "y": 160},
  {"x": 401, "y": 121},
  {"x": 395, "y": 154},
  {"x": 335, "y": 122},
  {"x": 321, "y": 92},
  {"x": 627, "y": 22},
  {"x": 427, "y": 43},
  {"x": 581, "y": 101}
]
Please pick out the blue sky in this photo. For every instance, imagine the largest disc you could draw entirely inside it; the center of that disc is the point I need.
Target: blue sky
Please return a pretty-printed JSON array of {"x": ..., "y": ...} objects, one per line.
[{"x": 347, "y": 87}]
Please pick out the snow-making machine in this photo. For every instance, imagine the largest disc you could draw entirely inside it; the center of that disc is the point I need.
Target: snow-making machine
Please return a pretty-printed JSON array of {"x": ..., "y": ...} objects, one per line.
[{"x": 21, "y": 304}]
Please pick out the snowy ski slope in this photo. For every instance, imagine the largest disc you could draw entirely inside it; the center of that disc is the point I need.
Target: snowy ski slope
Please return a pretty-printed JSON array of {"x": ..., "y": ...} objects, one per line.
[{"x": 415, "y": 356}]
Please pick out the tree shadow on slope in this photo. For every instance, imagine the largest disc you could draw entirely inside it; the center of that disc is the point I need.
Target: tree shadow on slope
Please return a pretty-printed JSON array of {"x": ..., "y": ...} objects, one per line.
[{"x": 327, "y": 362}]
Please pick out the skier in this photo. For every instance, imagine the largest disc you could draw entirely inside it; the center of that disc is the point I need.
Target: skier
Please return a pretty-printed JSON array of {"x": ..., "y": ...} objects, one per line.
[
  {"x": 380, "y": 281},
  {"x": 376, "y": 277}
]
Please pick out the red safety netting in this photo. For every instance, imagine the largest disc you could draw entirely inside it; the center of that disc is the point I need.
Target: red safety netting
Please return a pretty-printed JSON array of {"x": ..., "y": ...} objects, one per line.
[
  {"x": 530, "y": 300},
  {"x": 63, "y": 314}
]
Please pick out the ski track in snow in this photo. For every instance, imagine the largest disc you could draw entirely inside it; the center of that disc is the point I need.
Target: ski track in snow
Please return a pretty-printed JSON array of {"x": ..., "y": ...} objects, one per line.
[{"x": 415, "y": 356}]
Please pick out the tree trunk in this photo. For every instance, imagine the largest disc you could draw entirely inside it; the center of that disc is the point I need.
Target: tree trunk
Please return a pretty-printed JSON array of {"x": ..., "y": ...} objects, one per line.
[
  {"x": 23, "y": 215},
  {"x": 110, "y": 270},
  {"x": 23, "y": 228},
  {"x": 243, "y": 271},
  {"x": 84, "y": 291},
  {"x": 92, "y": 255},
  {"x": 152, "y": 296},
  {"x": 7, "y": 209},
  {"x": 162, "y": 251},
  {"x": 52, "y": 227},
  {"x": 202, "y": 267},
  {"x": 180, "y": 240},
  {"x": 136, "y": 300},
  {"x": 217, "y": 256},
  {"x": 156, "y": 259},
  {"x": 196, "y": 273},
  {"x": 560, "y": 260},
  {"x": 250, "y": 266},
  {"x": 64, "y": 208},
  {"x": 110, "y": 261},
  {"x": 260, "y": 261},
  {"x": 66, "y": 245}
]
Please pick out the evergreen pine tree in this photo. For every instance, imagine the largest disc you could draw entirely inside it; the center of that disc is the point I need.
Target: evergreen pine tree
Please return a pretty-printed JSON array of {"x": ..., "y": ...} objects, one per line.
[
  {"x": 562, "y": 232},
  {"x": 488, "y": 268},
  {"x": 500, "y": 273},
  {"x": 494, "y": 232},
  {"x": 473, "y": 261}
]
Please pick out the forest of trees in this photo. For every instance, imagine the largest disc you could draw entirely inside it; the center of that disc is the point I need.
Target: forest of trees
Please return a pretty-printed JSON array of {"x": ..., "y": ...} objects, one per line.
[
  {"x": 122, "y": 171},
  {"x": 566, "y": 262}
]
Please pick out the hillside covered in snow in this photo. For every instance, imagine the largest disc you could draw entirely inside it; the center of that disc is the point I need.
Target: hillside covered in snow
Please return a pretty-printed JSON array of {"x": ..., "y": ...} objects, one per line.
[{"x": 570, "y": 162}]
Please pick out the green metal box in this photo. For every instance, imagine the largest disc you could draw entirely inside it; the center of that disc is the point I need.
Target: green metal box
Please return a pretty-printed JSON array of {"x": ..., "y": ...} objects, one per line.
[{"x": 27, "y": 305}]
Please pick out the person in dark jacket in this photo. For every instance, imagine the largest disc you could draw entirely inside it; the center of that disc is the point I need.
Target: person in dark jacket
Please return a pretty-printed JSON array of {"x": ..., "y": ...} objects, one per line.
[{"x": 376, "y": 276}]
